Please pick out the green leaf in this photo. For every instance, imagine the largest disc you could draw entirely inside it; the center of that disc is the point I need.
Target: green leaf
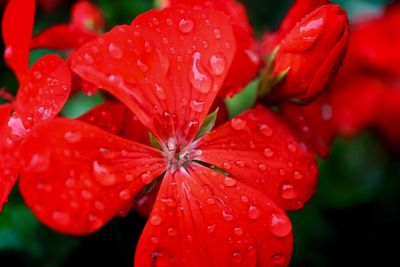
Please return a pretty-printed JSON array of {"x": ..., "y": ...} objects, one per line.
[
  {"x": 80, "y": 103},
  {"x": 154, "y": 142},
  {"x": 242, "y": 101},
  {"x": 208, "y": 124}
]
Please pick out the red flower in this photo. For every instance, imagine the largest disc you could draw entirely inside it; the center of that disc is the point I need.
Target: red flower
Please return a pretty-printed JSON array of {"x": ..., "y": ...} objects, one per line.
[
  {"x": 298, "y": 10},
  {"x": 86, "y": 22},
  {"x": 365, "y": 93},
  {"x": 246, "y": 62},
  {"x": 310, "y": 54},
  {"x": 79, "y": 177},
  {"x": 42, "y": 93}
]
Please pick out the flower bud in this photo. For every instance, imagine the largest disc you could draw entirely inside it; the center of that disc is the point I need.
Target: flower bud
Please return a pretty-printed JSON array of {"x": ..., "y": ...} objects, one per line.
[{"x": 310, "y": 54}]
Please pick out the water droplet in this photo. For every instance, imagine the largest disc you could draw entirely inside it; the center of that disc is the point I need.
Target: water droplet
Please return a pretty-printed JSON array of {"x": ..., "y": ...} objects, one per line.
[
  {"x": 297, "y": 175},
  {"x": 86, "y": 194},
  {"x": 197, "y": 105},
  {"x": 61, "y": 217},
  {"x": 326, "y": 112},
  {"x": 253, "y": 212},
  {"x": 128, "y": 177},
  {"x": 160, "y": 92},
  {"x": 238, "y": 231},
  {"x": 280, "y": 225},
  {"x": 291, "y": 147},
  {"x": 228, "y": 181},
  {"x": 268, "y": 152},
  {"x": 155, "y": 219},
  {"x": 37, "y": 75},
  {"x": 262, "y": 167},
  {"x": 88, "y": 58},
  {"x": 115, "y": 51},
  {"x": 124, "y": 194},
  {"x": 211, "y": 228},
  {"x": 288, "y": 191},
  {"x": 237, "y": 257},
  {"x": 218, "y": 64},
  {"x": 103, "y": 175},
  {"x": 278, "y": 260},
  {"x": 245, "y": 199},
  {"x": 142, "y": 66},
  {"x": 45, "y": 113},
  {"x": 9, "y": 52},
  {"x": 186, "y": 25},
  {"x": 70, "y": 183},
  {"x": 170, "y": 202},
  {"x": 240, "y": 163},
  {"x": 146, "y": 178},
  {"x": 172, "y": 231},
  {"x": 238, "y": 123},
  {"x": 217, "y": 33},
  {"x": 265, "y": 130},
  {"x": 227, "y": 166},
  {"x": 227, "y": 216},
  {"x": 72, "y": 137},
  {"x": 199, "y": 79}
]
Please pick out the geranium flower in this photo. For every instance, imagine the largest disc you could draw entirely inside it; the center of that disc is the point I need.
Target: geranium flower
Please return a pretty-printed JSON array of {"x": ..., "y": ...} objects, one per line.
[
  {"x": 308, "y": 56},
  {"x": 42, "y": 93},
  {"x": 221, "y": 195},
  {"x": 86, "y": 23},
  {"x": 246, "y": 63}
]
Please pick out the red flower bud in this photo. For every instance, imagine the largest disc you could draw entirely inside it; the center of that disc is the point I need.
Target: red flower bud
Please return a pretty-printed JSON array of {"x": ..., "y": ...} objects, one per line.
[{"x": 311, "y": 53}]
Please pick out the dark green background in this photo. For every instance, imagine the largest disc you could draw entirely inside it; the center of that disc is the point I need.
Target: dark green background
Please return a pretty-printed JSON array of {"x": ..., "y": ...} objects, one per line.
[{"x": 351, "y": 221}]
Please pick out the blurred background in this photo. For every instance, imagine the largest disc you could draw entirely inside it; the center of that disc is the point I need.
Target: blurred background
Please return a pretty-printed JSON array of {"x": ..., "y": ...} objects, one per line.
[{"x": 352, "y": 220}]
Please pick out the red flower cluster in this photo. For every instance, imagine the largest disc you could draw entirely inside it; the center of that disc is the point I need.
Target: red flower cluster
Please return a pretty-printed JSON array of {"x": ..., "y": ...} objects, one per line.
[{"x": 220, "y": 195}]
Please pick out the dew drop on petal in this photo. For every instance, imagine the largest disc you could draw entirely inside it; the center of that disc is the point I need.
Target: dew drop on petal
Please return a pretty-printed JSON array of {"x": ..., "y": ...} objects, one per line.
[
  {"x": 288, "y": 191},
  {"x": 253, "y": 212},
  {"x": 280, "y": 225},
  {"x": 155, "y": 219},
  {"x": 238, "y": 231},
  {"x": 291, "y": 147},
  {"x": 268, "y": 152},
  {"x": 61, "y": 217},
  {"x": 103, "y": 175},
  {"x": 262, "y": 167},
  {"x": 146, "y": 178},
  {"x": 265, "y": 130},
  {"x": 160, "y": 92},
  {"x": 227, "y": 216},
  {"x": 124, "y": 194},
  {"x": 211, "y": 228},
  {"x": 199, "y": 79},
  {"x": 229, "y": 182},
  {"x": 297, "y": 175},
  {"x": 142, "y": 66},
  {"x": 237, "y": 257},
  {"x": 197, "y": 106},
  {"x": 278, "y": 260},
  {"x": 172, "y": 231},
  {"x": 37, "y": 75},
  {"x": 218, "y": 64},
  {"x": 9, "y": 52},
  {"x": 115, "y": 51},
  {"x": 88, "y": 58},
  {"x": 238, "y": 123},
  {"x": 186, "y": 25},
  {"x": 72, "y": 137},
  {"x": 217, "y": 33}
]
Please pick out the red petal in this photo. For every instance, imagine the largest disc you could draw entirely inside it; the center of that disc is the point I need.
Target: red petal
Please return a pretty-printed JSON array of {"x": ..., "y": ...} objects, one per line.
[
  {"x": 198, "y": 220},
  {"x": 62, "y": 37},
  {"x": 78, "y": 177},
  {"x": 259, "y": 150},
  {"x": 86, "y": 16},
  {"x": 246, "y": 62},
  {"x": 43, "y": 94},
  {"x": 17, "y": 28},
  {"x": 116, "y": 118},
  {"x": 167, "y": 67},
  {"x": 314, "y": 124},
  {"x": 8, "y": 168},
  {"x": 8, "y": 157}
]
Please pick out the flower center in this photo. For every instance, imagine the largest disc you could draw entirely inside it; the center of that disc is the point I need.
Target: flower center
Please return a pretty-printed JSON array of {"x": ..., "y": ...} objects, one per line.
[{"x": 179, "y": 156}]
